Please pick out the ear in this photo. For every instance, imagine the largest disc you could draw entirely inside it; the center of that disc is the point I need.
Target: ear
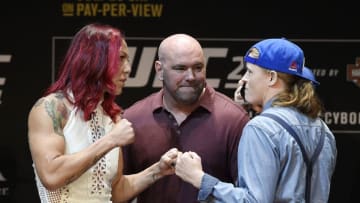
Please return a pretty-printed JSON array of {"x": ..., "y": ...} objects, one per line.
[
  {"x": 159, "y": 70},
  {"x": 273, "y": 77}
]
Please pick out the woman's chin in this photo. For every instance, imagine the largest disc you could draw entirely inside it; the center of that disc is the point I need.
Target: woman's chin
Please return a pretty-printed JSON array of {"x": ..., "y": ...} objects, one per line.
[{"x": 118, "y": 91}]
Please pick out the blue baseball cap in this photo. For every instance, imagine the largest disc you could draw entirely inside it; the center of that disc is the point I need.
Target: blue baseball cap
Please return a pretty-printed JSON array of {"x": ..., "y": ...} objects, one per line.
[
  {"x": 310, "y": 75},
  {"x": 281, "y": 55}
]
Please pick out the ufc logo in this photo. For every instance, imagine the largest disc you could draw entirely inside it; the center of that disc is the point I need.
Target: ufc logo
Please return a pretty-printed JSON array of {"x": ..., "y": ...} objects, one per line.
[{"x": 4, "y": 58}]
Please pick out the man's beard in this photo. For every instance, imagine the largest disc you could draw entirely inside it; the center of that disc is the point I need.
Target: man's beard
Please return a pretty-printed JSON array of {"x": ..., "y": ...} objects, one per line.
[{"x": 188, "y": 99}]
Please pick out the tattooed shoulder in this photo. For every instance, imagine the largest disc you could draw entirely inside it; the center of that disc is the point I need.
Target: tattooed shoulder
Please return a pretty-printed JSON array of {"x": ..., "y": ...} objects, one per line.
[
  {"x": 57, "y": 111},
  {"x": 59, "y": 95},
  {"x": 39, "y": 102}
]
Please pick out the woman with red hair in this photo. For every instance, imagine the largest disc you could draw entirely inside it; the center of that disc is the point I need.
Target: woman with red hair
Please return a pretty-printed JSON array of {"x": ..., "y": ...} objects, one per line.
[{"x": 75, "y": 130}]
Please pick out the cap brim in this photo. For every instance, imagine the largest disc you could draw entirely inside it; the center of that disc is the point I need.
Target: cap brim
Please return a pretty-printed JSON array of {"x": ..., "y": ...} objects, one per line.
[{"x": 309, "y": 75}]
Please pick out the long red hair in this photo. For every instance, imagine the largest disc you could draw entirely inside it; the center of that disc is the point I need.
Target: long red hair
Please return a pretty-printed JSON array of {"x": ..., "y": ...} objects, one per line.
[{"x": 88, "y": 68}]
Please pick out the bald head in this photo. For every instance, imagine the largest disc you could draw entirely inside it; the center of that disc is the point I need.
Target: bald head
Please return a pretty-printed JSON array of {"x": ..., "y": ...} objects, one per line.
[
  {"x": 181, "y": 68},
  {"x": 177, "y": 45}
]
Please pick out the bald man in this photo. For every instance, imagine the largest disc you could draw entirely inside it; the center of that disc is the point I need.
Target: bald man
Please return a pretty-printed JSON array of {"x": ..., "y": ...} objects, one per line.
[{"x": 186, "y": 114}]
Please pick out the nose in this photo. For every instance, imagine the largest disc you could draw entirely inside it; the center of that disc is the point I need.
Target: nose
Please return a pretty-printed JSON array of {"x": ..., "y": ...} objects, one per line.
[
  {"x": 241, "y": 82},
  {"x": 190, "y": 74},
  {"x": 127, "y": 68},
  {"x": 239, "y": 95},
  {"x": 244, "y": 79}
]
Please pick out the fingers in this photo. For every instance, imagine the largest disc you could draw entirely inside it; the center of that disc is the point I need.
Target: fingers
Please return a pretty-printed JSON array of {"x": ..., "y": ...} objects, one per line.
[
  {"x": 193, "y": 155},
  {"x": 125, "y": 121},
  {"x": 173, "y": 156},
  {"x": 237, "y": 95},
  {"x": 189, "y": 168},
  {"x": 172, "y": 152},
  {"x": 189, "y": 155},
  {"x": 170, "y": 156}
]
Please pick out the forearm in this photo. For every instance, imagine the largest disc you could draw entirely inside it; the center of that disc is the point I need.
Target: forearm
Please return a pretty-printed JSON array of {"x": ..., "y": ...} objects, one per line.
[{"x": 128, "y": 186}]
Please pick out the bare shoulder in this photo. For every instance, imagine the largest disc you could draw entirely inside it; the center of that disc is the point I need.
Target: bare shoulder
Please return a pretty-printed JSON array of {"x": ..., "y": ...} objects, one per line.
[
  {"x": 51, "y": 99},
  {"x": 54, "y": 107}
]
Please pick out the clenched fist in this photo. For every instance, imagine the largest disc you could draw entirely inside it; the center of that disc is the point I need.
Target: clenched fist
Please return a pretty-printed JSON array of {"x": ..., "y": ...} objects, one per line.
[{"x": 122, "y": 132}]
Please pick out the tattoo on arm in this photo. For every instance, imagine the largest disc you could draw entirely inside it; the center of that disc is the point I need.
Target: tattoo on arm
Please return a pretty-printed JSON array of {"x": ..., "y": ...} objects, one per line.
[
  {"x": 58, "y": 113},
  {"x": 59, "y": 95}
]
